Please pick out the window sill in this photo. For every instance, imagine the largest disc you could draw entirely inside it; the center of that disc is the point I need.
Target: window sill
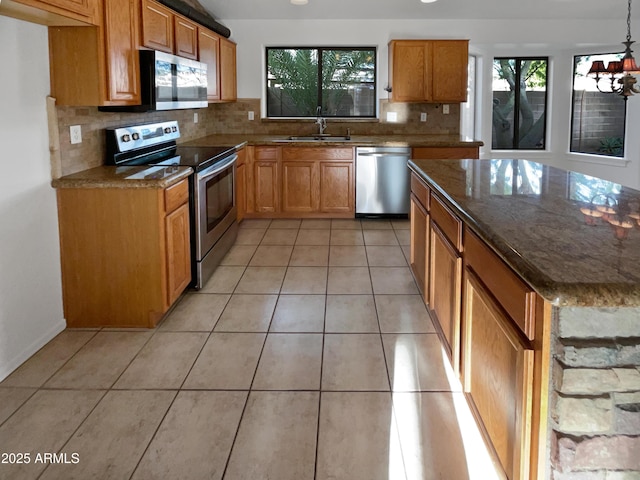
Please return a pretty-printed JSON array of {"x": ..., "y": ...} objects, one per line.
[{"x": 598, "y": 160}]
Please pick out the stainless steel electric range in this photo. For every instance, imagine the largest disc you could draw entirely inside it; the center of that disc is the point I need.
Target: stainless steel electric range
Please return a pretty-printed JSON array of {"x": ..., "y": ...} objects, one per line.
[{"x": 212, "y": 197}]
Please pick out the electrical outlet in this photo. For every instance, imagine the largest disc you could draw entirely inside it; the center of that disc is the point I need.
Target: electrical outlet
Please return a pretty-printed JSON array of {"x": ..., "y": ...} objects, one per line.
[
  {"x": 445, "y": 109},
  {"x": 423, "y": 117},
  {"x": 75, "y": 132},
  {"x": 392, "y": 116},
  {"x": 195, "y": 117},
  {"x": 250, "y": 115}
]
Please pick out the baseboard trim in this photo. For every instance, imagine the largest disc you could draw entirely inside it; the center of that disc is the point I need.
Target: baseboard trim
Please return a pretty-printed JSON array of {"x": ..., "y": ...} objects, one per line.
[{"x": 7, "y": 369}]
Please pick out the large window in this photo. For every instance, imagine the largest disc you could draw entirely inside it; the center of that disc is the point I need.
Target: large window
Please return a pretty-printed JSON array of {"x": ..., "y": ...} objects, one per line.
[
  {"x": 339, "y": 81},
  {"x": 597, "y": 119},
  {"x": 519, "y": 103}
]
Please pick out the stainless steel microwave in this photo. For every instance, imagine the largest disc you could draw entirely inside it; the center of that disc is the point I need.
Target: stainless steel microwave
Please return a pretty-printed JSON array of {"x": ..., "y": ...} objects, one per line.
[{"x": 168, "y": 82}]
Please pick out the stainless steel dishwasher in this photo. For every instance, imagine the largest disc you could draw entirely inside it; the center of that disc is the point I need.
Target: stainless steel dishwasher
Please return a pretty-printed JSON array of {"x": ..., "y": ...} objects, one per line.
[{"x": 382, "y": 181}]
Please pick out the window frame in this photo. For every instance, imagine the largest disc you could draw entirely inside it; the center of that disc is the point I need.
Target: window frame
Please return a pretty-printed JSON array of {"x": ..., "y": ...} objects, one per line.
[
  {"x": 516, "y": 104},
  {"x": 573, "y": 100},
  {"x": 321, "y": 49}
]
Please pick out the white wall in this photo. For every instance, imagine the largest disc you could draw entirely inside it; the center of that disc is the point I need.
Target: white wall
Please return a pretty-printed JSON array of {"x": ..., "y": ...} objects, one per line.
[
  {"x": 559, "y": 40},
  {"x": 30, "y": 285}
]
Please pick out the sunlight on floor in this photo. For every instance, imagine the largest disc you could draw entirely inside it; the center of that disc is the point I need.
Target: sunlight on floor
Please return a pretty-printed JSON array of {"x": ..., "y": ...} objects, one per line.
[
  {"x": 438, "y": 434},
  {"x": 479, "y": 463}
]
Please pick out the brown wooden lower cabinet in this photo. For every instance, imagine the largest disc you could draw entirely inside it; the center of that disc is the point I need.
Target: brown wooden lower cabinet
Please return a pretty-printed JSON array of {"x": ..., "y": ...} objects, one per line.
[
  {"x": 300, "y": 185},
  {"x": 419, "y": 245},
  {"x": 300, "y": 182},
  {"x": 266, "y": 187},
  {"x": 241, "y": 184},
  {"x": 445, "y": 278},
  {"x": 178, "y": 252},
  {"x": 498, "y": 377},
  {"x": 125, "y": 253},
  {"x": 336, "y": 187}
]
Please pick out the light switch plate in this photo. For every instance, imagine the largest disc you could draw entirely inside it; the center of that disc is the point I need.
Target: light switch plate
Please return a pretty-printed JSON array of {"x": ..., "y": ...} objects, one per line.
[
  {"x": 392, "y": 116},
  {"x": 75, "y": 132},
  {"x": 423, "y": 117},
  {"x": 195, "y": 117},
  {"x": 250, "y": 115},
  {"x": 445, "y": 109}
]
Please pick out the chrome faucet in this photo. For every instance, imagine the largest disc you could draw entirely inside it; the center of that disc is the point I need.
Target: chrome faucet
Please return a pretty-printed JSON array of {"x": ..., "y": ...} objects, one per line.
[{"x": 320, "y": 121}]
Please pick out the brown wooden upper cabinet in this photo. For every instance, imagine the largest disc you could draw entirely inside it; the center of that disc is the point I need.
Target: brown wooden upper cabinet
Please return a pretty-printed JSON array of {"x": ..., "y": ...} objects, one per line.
[
  {"x": 220, "y": 56},
  {"x": 53, "y": 12},
  {"x": 165, "y": 30},
  {"x": 428, "y": 70},
  {"x": 228, "y": 80},
  {"x": 98, "y": 66}
]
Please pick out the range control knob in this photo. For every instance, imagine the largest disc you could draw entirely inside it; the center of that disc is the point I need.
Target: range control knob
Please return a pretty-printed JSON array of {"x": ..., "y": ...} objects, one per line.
[
  {"x": 126, "y": 137},
  {"x": 135, "y": 136},
  {"x": 167, "y": 130},
  {"x": 174, "y": 129}
]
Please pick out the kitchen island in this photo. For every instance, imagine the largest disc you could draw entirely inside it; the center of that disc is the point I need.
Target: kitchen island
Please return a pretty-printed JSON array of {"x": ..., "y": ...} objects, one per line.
[{"x": 532, "y": 275}]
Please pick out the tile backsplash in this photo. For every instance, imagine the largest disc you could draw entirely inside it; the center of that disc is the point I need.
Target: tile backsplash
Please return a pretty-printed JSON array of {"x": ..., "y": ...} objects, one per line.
[{"x": 232, "y": 118}]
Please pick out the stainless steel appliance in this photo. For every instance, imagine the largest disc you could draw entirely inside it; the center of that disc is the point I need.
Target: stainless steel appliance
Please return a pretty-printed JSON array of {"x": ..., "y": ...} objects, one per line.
[
  {"x": 382, "y": 181},
  {"x": 211, "y": 188},
  {"x": 168, "y": 82}
]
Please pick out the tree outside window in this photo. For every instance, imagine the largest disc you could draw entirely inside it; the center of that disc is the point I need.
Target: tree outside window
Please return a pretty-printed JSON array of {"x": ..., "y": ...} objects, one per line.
[
  {"x": 597, "y": 118},
  {"x": 519, "y": 103},
  {"x": 341, "y": 81}
]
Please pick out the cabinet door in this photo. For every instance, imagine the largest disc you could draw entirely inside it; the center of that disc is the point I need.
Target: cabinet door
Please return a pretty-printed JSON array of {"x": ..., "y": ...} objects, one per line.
[
  {"x": 498, "y": 377},
  {"x": 54, "y": 12},
  {"x": 228, "y": 85},
  {"x": 157, "y": 26},
  {"x": 445, "y": 282},
  {"x": 185, "y": 38},
  {"x": 121, "y": 19},
  {"x": 336, "y": 187},
  {"x": 266, "y": 186},
  {"x": 410, "y": 74},
  {"x": 449, "y": 59},
  {"x": 241, "y": 192},
  {"x": 419, "y": 245},
  {"x": 209, "y": 53},
  {"x": 178, "y": 252},
  {"x": 300, "y": 186}
]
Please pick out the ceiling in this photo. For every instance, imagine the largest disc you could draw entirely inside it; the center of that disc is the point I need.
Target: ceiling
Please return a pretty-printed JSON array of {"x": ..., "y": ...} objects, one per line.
[{"x": 414, "y": 9}]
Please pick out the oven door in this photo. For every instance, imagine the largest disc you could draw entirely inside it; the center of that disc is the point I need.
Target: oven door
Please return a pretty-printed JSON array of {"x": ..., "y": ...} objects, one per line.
[{"x": 215, "y": 203}]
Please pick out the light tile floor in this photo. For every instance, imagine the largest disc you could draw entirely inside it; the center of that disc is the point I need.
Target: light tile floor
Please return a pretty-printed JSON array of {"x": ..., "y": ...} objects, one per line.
[{"x": 308, "y": 355}]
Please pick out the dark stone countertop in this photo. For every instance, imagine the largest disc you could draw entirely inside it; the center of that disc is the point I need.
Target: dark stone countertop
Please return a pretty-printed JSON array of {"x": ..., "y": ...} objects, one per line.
[
  {"x": 241, "y": 140},
  {"x": 108, "y": 176},
  {"x": 536, "y": 225}
]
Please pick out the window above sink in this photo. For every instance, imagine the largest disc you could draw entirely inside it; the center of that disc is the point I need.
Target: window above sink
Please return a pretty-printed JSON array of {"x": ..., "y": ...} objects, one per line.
[{"x": 339, "y": 81}]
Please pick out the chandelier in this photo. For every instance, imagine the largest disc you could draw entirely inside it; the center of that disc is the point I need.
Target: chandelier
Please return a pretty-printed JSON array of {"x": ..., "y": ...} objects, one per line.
[{"x": 620, "y": 73}]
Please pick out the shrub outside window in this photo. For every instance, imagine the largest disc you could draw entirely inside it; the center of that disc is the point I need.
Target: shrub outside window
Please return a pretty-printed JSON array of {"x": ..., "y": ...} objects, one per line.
[
  {"x": 519, "y": 103},
  {"x": 597, "y": 119},
  {"x": 341, "y": 81}
]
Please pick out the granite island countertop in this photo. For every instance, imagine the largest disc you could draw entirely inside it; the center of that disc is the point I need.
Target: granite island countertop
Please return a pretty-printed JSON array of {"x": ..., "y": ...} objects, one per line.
[
  {"x": 107, "y": 176},
  {"x": 241, "y": 140},
  {"x": 536, "y": 225}
]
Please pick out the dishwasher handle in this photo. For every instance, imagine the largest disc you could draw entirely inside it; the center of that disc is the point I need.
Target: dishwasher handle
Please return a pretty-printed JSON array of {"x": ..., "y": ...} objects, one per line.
[{"x": 380, "y": 155}]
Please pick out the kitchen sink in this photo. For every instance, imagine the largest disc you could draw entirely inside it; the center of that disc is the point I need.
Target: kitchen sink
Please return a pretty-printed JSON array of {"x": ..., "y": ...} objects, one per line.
[{"x": 316, "y": 138}]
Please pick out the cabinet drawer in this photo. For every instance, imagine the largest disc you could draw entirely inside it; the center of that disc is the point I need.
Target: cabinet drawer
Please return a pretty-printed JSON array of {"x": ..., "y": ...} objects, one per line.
[
  {"x": 420, "y": 190},
  {"x": 450, "y": 225},
  {"x": 317, "y": 153},
  {"x": 266, "y": 153},
  {"x": 176, "y": 195},
  {"x": 513, "y": 295}
]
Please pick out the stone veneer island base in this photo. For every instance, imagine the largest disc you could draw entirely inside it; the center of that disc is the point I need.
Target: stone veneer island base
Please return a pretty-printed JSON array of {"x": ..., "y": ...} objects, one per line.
[{"x": 550, "y": 260}]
